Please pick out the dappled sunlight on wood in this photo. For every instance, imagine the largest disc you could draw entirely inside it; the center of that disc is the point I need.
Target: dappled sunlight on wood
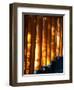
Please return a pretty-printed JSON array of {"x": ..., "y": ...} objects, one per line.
[
  {"x": 28, "y": 51},
  {"x": 37, "y": 50},
  {"x": 44, "y": 43},
  {"x": 48, "y": 42}
]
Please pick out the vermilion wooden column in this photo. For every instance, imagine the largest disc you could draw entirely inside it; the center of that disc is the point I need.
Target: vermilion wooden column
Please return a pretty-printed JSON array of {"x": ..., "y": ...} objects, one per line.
[
  {"x": 44, "y": 42},
  {"x": 58, "y": 34},
  {"x": 53, "y": 38},
  {"x": 28, "y": 46},
  {"x": 33, "y": 44},
  {"x": 61, "y": 37},
  {"x": 48, "y": 40},
  {"x": 38, "y": 44}
]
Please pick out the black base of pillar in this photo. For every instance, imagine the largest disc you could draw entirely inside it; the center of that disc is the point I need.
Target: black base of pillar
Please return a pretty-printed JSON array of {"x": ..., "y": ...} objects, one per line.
[{"x": 55, "y": 67}]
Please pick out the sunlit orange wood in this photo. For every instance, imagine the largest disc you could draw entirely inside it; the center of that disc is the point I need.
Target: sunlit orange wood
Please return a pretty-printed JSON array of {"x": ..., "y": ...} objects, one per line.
[
  {"x": 28, "y": 52},
  {"x": 58, "y": 38},
  {"x": 53, "y": 39},
  {"x": 33, "y": 44},
  {"x": 37, "y": 46},
  {"x": 48, "y": 41},
  {"x": 44, "y": 43},
  {"x": 61, "y": 38},
  {"x": 28, "y": 59}
]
